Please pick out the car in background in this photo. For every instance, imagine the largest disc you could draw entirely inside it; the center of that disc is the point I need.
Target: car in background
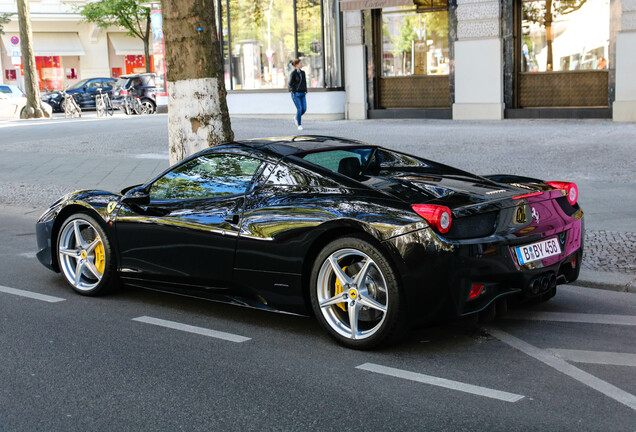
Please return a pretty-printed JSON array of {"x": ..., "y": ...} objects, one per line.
[
  {"x": 13, "y": 100},
  {"x": 84, "y": 93},
  {"x": 141, "y": 85}
]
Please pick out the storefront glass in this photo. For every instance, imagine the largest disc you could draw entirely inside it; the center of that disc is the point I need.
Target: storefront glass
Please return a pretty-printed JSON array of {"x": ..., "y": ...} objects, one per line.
[
  {"x": 50, "y": 72},
  {"x": 565, "y": 35},
  {"x": 414, "y": 42},
  {"x": 260, "y": 38}
]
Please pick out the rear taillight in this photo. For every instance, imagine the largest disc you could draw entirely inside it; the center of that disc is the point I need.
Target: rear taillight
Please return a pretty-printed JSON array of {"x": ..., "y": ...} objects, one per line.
[
  {"x": 571, "y": 191},
  {"x": 123, "y": 92},
  {"x": 436, "y": 215}
]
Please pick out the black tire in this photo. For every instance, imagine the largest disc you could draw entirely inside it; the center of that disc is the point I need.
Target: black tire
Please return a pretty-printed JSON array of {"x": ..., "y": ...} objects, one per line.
[
  {"x": 74, "y": 258},
  {"x": 150, "y": 107},
  {"x": 377, "y": 301},
  {"x": 109, "y": 107}
]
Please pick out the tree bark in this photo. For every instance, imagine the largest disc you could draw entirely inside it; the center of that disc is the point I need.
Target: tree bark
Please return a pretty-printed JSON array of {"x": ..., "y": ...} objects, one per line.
[
  {"x": 147, "y": 44},
  {"x": 198, "y": 116},
  {"x": 33, "y": 108}
]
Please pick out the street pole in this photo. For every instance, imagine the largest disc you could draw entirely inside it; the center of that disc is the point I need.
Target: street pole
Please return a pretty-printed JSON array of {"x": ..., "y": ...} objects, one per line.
[{"x": 33, "y": 107}]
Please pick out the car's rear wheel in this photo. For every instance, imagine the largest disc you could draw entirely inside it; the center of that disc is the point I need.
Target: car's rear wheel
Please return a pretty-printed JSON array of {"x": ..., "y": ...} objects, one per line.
[
  {"x": 85, "y": 255},
  {"x": 355, "y": 294},
  {"x": 148, "y": 106}
]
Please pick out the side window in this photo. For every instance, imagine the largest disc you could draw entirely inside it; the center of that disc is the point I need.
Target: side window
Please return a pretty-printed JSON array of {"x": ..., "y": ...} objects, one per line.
[
  {"x": 207, "y": 176},
  {"x": 92, "y": 85},
  {"x": 287, "y": 175}
]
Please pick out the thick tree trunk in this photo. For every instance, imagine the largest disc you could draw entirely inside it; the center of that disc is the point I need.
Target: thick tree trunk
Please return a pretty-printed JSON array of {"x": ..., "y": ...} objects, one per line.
[
  {"x": 33, "y": 107},
  {"x": 198, "y": 117}
]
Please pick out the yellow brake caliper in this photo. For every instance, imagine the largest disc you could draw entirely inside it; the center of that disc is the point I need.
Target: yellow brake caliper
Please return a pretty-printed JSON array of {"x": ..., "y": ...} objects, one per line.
[
  {"x": 339, "y": 289},
  {"x": 100, "y": 260}
]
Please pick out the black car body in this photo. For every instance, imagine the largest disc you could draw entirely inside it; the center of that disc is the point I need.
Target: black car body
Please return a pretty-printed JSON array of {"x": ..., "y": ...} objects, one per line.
[
  {"x": 136, "y": 85},
  {"x": 84, "y": 93},
  {"x": 310, "y": 201}
]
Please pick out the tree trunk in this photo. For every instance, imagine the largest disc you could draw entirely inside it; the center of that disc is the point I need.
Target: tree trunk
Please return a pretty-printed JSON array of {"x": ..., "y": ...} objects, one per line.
[
  {"x": 147, "y": 44},
  {"x": 548, "y": 34},
  {"x": 198, "y": 117},
  {"x": 33, "y": 108}
]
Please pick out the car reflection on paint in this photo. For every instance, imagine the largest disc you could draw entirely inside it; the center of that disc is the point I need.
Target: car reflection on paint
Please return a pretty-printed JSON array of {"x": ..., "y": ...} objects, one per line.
[{"x": 369, "y": 240}]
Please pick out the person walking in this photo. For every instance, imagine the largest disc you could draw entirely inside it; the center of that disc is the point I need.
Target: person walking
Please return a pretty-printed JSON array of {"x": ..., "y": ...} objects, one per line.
[{"x": 298, "y": 88}]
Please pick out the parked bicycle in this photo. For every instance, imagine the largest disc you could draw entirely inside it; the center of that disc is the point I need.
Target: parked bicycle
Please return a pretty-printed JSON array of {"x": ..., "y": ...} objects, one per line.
[
  {"x": 70, "y": 106},
  {"x": 103, "y": 104},
  {"x": 133, "y": 104}
]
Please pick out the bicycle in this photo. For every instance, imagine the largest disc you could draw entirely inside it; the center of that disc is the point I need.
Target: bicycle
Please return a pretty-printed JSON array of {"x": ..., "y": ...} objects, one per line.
[
  {"x": 70, "y": 106},
  {"x": 133, "y": 104},
  {"x": 103, "y": 104}
]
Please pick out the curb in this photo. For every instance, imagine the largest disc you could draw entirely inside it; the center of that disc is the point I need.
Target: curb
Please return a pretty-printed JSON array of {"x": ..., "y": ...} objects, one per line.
[{"x": 612, "y": 281}]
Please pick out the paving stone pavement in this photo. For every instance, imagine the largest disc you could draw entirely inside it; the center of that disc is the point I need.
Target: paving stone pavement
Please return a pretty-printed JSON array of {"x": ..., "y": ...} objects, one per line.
[{"x": 610, "y": 251}]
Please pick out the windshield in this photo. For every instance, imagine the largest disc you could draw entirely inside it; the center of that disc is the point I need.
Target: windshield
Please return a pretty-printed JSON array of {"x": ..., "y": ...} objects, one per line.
[
  {"x": 121, "y": 82},
  {"x": 78, "y": 85}
]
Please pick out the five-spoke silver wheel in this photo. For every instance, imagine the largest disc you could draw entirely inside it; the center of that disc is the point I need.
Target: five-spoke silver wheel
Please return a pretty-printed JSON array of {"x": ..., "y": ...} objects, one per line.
[
  {"x": 82, "y": 253},
  {"x": 352, "y": 294},
  {"x": 355, "y": 293}
]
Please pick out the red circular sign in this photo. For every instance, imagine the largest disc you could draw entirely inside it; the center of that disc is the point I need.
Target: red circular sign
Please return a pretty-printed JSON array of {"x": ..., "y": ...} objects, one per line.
[{"x": 15, "y": 40}]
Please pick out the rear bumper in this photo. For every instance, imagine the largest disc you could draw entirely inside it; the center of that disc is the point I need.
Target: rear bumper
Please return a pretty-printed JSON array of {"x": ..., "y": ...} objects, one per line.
[{"x": 438, "y": 273}]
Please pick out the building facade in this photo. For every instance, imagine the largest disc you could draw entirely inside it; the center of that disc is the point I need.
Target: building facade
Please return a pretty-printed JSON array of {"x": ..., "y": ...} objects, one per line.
[{"x": 447, "y": 59}]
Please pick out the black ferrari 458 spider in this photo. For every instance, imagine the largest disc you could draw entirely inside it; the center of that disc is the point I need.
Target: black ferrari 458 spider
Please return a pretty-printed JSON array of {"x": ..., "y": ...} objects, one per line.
[{"x": 370, "y": 240}]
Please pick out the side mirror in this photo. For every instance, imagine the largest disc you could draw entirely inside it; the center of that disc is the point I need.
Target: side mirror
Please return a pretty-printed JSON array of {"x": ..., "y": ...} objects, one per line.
[{"x": 138, "y": 196}]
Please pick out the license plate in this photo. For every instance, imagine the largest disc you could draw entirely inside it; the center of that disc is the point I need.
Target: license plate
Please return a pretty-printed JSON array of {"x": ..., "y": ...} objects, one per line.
[{"x": 537, "y": 251}]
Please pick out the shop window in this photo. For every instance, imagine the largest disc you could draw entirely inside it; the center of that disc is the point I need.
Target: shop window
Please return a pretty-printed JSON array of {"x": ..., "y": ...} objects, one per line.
[
  {"x": 309, "y": 36},
  {"x": 262, "y": 43},
  {"x": 565, "y": 35},
  {"x": 136, "y": 64},
  {"x": 415, "y": 39},
  {"x": 50, "y": 71},
  {"x": 10, "y": 74},
  {"x": 116, "y": 72},
  {"x": 71, "y": 73}
]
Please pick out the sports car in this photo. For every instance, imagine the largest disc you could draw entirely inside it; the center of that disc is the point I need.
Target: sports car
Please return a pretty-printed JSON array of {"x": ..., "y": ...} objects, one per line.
[{"x": 370, "y": 240}]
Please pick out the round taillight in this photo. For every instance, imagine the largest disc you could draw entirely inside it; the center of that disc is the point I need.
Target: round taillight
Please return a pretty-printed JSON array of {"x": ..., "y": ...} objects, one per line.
[
  {"x": 573, "y": 194},
  {"x": 437, "y": 216}
]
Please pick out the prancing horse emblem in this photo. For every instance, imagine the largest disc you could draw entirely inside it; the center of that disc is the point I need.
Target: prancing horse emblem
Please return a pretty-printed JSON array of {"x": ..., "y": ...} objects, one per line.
[{"x": 535, "y": 214}]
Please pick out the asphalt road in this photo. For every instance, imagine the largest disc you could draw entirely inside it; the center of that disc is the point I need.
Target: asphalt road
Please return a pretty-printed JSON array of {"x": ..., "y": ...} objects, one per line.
[{"x": 142, "y": 360}]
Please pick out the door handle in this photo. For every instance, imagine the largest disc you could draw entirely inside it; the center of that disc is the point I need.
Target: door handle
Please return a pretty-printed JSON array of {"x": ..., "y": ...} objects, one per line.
[{"x": 232, "y": 219}]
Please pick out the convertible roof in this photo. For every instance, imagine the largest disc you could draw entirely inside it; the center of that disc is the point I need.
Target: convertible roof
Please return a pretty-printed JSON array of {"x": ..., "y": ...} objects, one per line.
[{"x": 285, "y": 146}]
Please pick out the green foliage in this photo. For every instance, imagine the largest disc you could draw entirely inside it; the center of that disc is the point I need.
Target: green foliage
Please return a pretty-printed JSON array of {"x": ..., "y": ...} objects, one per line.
[
  {"x": 433, "y": 23},
  {"x": 124, "y": 13},
  {"x": 5, "y": 18},
  {"x": 543, "y": 12}
]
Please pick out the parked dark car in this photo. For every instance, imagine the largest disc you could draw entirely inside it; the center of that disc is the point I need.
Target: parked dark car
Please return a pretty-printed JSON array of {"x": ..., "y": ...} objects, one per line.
[
  {"x": 142, "y": 85},
  {"x": 83, "y": 92},
  {"x": 367, "y": 239}
]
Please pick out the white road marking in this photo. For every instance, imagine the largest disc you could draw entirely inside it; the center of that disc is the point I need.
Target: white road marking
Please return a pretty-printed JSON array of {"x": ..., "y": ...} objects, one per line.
[
  {"x": 562, "y": 366},
  {"x": 28, "y": 254},
  {"x": 626, "y": 320},
  {"x": 442, "y": 382},
  {"x": 29, "y": 294},
  {"x": 596, "y": 357},
  {"x": 192, "y": 329}
]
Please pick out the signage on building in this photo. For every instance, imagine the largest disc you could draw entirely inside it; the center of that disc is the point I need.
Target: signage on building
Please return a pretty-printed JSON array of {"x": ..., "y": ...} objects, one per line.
[{"x": 350, "y": 5}]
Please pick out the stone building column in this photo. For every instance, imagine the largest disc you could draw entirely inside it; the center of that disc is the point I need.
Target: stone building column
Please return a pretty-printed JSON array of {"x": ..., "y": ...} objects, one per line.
[
  {"x": 624, "y": 107},
  {"x": 478, "y": 61},
  {"x": 354, "y": 67}
]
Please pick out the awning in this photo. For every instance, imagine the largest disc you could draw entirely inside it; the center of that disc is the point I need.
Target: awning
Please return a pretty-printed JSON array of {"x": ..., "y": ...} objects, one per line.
[
  {"x": 50, "y": 44},
  {"x": 127, "y": 45},
  {"x": 349, "y": 5}
]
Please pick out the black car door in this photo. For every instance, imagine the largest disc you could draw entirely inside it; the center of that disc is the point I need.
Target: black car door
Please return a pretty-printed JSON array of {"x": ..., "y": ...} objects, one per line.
[
  {"x": 88, "y": 93},
  {"x": 187, "y": 235}
]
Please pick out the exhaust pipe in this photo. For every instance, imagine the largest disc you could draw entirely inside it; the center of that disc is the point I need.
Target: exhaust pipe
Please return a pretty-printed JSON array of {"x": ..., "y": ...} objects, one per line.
[{"x": 553, "y": 281}]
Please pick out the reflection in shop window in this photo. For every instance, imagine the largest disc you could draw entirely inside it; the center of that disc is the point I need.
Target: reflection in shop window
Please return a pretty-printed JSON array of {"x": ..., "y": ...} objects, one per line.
[
  {"x": 262, "y": 43},
  {"x": 565, "y": 35},
  {"x": 310, "y": 40},
  {"x": 415, "y": 42}
]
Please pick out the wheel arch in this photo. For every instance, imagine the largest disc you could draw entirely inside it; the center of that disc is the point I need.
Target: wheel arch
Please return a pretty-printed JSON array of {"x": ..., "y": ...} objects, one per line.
[
  {"x": 64, "y": 214},
  {"x": 331, "y": 234}
]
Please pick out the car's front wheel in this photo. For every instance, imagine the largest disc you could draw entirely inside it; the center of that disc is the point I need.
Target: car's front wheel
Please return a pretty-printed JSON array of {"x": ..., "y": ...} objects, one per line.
[
  {"x": 355, "y": 294},
  {"x": 85, "y": 255}
]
